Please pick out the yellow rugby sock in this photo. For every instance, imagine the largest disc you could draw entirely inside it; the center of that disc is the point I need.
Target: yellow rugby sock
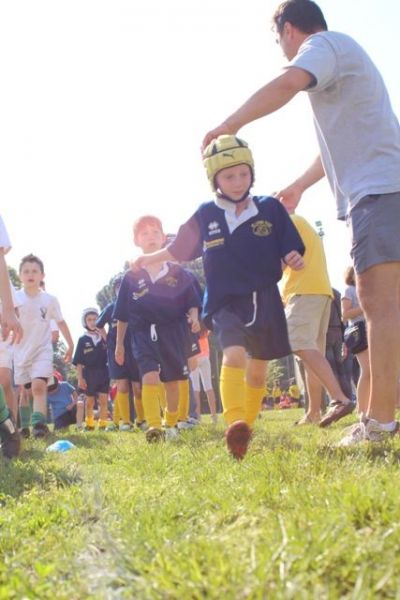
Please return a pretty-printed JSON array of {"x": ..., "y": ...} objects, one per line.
[
  {"x": 116, "y": 412},
  {"x": 123, "y": 405},
  {"x": 253, "y": 399},
  {"x": 231, "y": 384},
  {"x": 162, "y": 398},
  {"x": 89, "y": 411},
  {"x": 139, "y": 409},
  {"x": 151, "y": 405},
  {"x": 183, "y": 406},
  {"x": 171, "y": 418}
]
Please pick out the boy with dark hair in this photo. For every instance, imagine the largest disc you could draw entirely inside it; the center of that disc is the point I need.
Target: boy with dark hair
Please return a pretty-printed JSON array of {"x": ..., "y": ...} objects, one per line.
[
  {"x": 243, "y": 240},
  {"x": 125, "y": 375},
  {"x": 90, "y": 359},
  {"x": 157, "y": 302},
  {"x": 33, "y": 355}
]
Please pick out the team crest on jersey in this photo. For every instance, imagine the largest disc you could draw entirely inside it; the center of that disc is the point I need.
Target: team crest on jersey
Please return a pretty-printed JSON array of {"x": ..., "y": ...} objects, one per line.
[
  {"x": 261, "y": 228},
  {"x": 138, "y": 295},
  {"x": 213, "y": 228},
  {"x": 171, "y": 281},
  {"x": 43, "y": 312}
]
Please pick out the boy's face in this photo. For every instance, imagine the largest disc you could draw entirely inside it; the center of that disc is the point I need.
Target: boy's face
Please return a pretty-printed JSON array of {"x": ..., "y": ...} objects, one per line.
[
  {"x": 90, "y": 321},
  {"x": 31, "y": 275},
  {"x": 234, "y": 181},
  {"x": 150, "y": 238}
]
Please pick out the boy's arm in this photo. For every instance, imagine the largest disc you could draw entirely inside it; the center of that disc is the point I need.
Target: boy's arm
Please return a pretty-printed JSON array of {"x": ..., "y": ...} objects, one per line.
[
  {"x": 193, "y": 319},
  {"x": 68, "y": 338},
  {"x": 81, "y": 380},
  {"x": 122, "y": 326},
  {"x": 9, "y": 321},
  {"x": 74, "y": 400}
]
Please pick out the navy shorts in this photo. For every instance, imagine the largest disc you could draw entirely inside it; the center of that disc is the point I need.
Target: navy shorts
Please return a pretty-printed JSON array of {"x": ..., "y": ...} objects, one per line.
[
  {"x": 162, "y": 348},
  {"x": 66, "y": 419},
  {"x": 97, "y": 379},
  {"x": 129, "y": 370},
  {"x": 256, "y": 322},
  {"x": 192, "y": 343}
]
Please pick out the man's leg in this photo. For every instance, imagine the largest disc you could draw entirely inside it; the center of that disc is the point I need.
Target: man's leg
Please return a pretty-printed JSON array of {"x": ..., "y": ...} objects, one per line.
[{"x": 378, "y": 290}]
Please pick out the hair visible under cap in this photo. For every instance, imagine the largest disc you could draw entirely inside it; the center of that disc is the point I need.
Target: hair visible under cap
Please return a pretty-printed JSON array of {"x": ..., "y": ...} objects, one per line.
[
  {"x": 33, "y": 259},
  {"x": 143, "y": 222},
  {"x": 303, "y": 14}
]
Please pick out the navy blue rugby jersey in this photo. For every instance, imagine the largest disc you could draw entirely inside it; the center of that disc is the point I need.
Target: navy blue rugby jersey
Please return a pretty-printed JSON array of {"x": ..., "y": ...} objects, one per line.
[
  {"x": 106, "y": 318},
  {"x": 246, "y": 260},
  {"x": 141, "y": 301},
  {"x": 89, "y": 354}
]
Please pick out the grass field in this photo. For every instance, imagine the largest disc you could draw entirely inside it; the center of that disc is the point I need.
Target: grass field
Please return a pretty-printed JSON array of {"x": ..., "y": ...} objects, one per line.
[{"x": 117, "y": 518}]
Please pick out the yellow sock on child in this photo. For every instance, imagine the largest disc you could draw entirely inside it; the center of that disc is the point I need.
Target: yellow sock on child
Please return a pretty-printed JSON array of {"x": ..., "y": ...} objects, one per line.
[
  {"x": 253, "y": 399},
  {"x": 183, "y": 406},
  {"x": 139, "y": 409},
  {"x": 232, "y": 393},
  {"x": 171, "y": 418},
  {"x": 123, "y": 405},
  {"x": 151, "y": 405}
]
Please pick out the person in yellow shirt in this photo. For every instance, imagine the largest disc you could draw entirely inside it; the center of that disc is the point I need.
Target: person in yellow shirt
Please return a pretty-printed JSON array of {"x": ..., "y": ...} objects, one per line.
[{"x": 307, "y": 295}]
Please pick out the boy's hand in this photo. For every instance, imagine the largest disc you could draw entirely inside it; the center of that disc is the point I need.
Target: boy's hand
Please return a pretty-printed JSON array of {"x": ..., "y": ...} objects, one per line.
[
  {"x": 82, "y": 384},
  {"x": 10, "y": 324},
  {"x": 68, "y": 354},
  {"x": 120, "y": 355},
  {"x": 294, "y": 260},
  {"x": 194, "y": 325}
]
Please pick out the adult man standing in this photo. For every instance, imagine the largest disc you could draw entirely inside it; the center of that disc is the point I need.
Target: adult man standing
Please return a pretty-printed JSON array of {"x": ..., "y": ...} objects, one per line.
[{"x": 359, "y": 141}]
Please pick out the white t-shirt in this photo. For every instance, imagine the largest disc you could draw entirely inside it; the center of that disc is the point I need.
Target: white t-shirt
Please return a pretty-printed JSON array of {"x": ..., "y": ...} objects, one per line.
[
  {"x": 5, "y": 243},
  {"x": 35, "y": 315},
  {"x": 358, "y": 133}
]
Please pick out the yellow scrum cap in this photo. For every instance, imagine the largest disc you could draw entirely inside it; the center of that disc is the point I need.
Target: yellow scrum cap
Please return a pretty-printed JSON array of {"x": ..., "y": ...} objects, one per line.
[{"x": 223, "y": 152}]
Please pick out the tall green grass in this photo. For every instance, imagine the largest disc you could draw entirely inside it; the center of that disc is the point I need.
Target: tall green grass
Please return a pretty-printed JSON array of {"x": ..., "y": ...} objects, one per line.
[{"x": 118, "y": 518}]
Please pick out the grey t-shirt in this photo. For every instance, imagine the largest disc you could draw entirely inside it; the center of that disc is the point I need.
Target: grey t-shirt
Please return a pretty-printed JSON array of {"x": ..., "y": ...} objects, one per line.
[
  {"x": 351, "y": 294},
  {"x": 358, "y": 133}
]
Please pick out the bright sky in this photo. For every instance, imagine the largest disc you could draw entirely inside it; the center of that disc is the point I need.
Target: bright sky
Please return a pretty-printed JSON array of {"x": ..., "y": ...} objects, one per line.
[{"x": 104, "y": 106}]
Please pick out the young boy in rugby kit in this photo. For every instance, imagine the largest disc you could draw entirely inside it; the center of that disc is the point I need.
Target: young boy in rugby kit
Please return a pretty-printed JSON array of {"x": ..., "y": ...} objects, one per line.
[
  {"x": 157, "y": 303},
  {"x": 243, "y": 240},
  {"x": 10, "y": 326},
  {"x": 33, "y": 355},
  {"x": 125, "y": 375},
  {"x": 90, "y": 359}
]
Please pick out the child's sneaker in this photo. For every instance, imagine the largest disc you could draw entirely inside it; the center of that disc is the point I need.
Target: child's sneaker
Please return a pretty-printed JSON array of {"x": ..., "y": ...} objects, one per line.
[
  {"x": 25, "y": 432},
  {"x": 111, "y": 427},
  {"x": 367, "y": 430},
  {"x": 154, "y": 435},
  {"x": 171, "y": 433},
  {"x": 185, "y": 425},
  {"x": 10, "y": 438},
  {"x": 126, "y": 427},
  {"x": 237, "y": 439},
  {"x": 40, "y": 430},
  {"x": 142, "y": 425}
]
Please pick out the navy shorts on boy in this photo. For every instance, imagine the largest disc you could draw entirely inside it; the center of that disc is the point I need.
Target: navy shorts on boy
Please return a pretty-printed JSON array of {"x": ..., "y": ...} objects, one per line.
[
  {"x": 162, "y": 348},
  {"x": 155, "y": 310},
  {"x": 91, "y": 352},
  {"x": 239, "y": 261},
  {"x": 129, "y": 370}
]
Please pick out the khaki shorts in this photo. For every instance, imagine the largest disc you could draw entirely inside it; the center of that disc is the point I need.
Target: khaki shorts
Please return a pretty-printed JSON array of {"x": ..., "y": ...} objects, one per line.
[
  {"x": 374, "y": 227},
  {"x": 307, "y": 317}
]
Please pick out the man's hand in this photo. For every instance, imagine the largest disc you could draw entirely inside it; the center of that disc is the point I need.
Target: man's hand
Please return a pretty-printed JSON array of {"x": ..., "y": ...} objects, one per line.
[
  {"x": 68, "y": 354},
  {"x": 10, "y": 324},
  {"x": 290, "y": 197},
  {"x": 294, "y": 260},
  {"x": 223, "y": 129}
]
